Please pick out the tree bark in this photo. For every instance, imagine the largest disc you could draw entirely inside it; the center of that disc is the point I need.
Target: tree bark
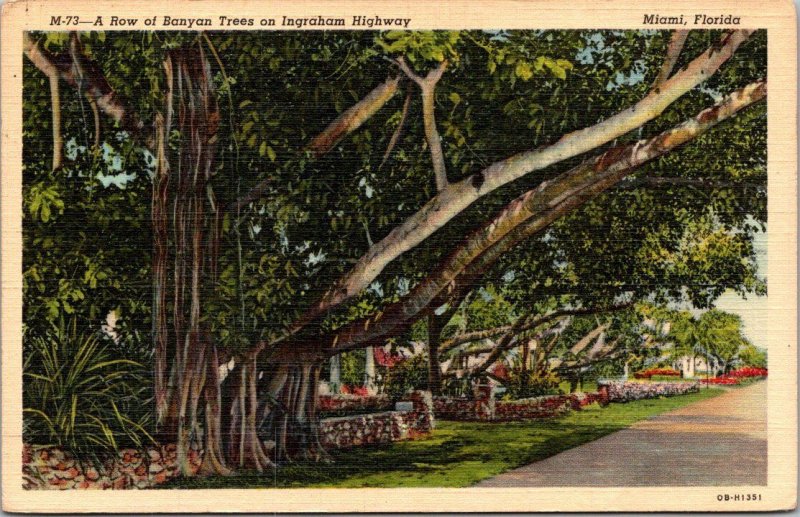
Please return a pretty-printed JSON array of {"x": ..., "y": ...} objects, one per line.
[
  {"x": 435, "y": 326},
  {"x": 187, "y": 351},
  {"x": 677, "y": 40},
  {"x": 428, "y": 87},
  {"x": 353, "y": 117},
  {"x": 526, "y": 323},
  {"x": 58, "y": 141},
  {"x": 94, "y": 83}
]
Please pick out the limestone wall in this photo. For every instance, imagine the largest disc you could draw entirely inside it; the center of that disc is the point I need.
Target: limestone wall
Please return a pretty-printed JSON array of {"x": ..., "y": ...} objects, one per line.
[{"x": 55, "y": 468}]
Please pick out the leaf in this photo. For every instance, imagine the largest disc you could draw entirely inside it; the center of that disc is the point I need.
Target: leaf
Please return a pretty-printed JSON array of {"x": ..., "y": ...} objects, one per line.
[
  {"x": 563, "y": 63},
  {"x": 455, "y": 98},
  {"x": 523, "y": 70}
]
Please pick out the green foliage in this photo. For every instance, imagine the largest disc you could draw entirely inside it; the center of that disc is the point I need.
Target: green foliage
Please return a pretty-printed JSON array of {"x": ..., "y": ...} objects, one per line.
[
  {"x": 353, "y": 369},
  {"x": 531, "y": 383},
  {"x": 751, "y": 355},
  {"x": 405, "y": 376},
  {"x": 78, "y": 394}
]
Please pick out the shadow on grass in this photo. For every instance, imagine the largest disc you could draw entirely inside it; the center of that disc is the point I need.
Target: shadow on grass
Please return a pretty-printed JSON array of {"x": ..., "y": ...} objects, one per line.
[{"x": 457, "y": 453}]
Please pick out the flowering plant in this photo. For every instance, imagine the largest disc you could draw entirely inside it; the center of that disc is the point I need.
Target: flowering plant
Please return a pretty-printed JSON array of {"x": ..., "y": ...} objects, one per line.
[
  {"x": 736, "y": 376},
  {"x": 360, "y": 391},
  {"x": 667, "y": 372},
  {"x": 748, "y": 371}
]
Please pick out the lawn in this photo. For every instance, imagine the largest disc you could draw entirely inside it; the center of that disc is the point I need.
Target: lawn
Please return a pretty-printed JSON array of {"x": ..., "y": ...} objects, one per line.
[{"x": 458, "y": 454}]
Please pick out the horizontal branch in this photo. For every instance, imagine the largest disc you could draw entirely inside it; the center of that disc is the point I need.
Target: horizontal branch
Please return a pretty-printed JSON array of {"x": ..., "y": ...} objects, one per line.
[
  {"x": 456, "y": 197},
  {"x": 534, "y": 211},
  {"x": 528, "y": 324}
]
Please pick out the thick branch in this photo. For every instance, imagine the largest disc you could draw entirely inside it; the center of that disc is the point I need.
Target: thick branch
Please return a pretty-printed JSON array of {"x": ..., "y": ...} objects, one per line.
[
  {"x": 344, "y": 124},
  {"x": 673, "y": 53},
  {"x": 428, "y": 87},
  {"x": 590, "y": 336},
  {"x": 353, "y": 117},
  {"x": 534, "y": 211},
  {"x": 606, "y": 353},
  {"x": 458, "y": 196},
  {"x": 508, "y": 341},
  {"x": 83, "y": 74}
]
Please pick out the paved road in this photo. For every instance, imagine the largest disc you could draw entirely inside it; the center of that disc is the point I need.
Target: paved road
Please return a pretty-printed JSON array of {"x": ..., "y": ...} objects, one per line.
[{"x": 714, "y": 442}]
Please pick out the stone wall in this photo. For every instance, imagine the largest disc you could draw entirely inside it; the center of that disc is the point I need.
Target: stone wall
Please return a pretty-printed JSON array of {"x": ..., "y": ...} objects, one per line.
[
  {"x": 385, "y": 427},
  {"x": 464, "y": 409},
  {"x": 353, "y": 403},
  {"x": 628, "y": 391},
  {"x": 486, "y": 409},
  {"x": 54, "y": 468}
]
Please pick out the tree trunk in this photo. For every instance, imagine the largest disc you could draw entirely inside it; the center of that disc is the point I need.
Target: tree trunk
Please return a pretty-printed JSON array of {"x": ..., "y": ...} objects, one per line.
[
  {"x": 435, "y": 327},
  {"x": 245, "y": 448},
  {"x": 213, "y": 457},
  {"x": 184, "y": 224},
  {"x": 289, "y": 416}
]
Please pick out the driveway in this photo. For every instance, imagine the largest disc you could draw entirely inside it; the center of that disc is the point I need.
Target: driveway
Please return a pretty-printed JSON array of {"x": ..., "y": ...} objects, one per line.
[{"x": 714, "y": 442}]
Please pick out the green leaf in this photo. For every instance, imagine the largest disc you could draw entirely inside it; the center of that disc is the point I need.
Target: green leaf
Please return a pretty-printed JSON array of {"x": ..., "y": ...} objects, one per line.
[{"x": 523, "y": 70}]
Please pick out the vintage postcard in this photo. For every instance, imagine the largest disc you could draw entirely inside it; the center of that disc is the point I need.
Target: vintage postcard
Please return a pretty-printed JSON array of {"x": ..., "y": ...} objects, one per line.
[{"x": 447, "y": 256}]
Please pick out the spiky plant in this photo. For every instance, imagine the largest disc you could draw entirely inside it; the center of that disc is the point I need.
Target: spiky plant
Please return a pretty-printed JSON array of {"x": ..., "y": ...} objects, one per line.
[{"x": 79, "y": 395}]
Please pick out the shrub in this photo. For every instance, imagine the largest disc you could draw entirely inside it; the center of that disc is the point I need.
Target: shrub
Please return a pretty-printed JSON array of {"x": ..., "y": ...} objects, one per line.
[
  {"x": 408, "y": 375},
  {"x": 77, "y": 394},
  {"x": 523, "y": 384},
  {"x": 661, "y": 372}
]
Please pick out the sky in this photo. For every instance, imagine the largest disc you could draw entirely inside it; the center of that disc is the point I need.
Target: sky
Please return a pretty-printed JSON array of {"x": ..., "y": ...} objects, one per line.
[{"x": 752, "y": 310}]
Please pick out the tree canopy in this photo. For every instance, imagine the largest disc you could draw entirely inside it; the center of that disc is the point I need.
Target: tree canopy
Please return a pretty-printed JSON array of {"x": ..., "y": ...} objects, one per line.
[{"x": 294, "y": 195}]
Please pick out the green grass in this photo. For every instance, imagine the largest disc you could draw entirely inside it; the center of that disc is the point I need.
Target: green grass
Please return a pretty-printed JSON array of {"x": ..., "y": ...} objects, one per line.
[{"x": 458, "y": 454}]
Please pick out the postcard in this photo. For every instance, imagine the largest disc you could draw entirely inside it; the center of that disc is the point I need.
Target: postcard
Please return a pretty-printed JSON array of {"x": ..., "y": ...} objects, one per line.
[{"x": 451, "y": 256}]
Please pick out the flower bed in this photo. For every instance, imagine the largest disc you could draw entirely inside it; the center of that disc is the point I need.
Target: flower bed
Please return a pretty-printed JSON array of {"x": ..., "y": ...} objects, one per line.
[
  {"x": 724, "y": 381},
  {"x": 628, "y": 391},
  {"x": 664, "y": 372},
  {"x": 747, "y": 373}
]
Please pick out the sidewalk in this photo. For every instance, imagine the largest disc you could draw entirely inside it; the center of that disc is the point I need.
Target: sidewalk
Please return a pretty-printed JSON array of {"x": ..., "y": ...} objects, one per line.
[{"x": 715, "y": 442}]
